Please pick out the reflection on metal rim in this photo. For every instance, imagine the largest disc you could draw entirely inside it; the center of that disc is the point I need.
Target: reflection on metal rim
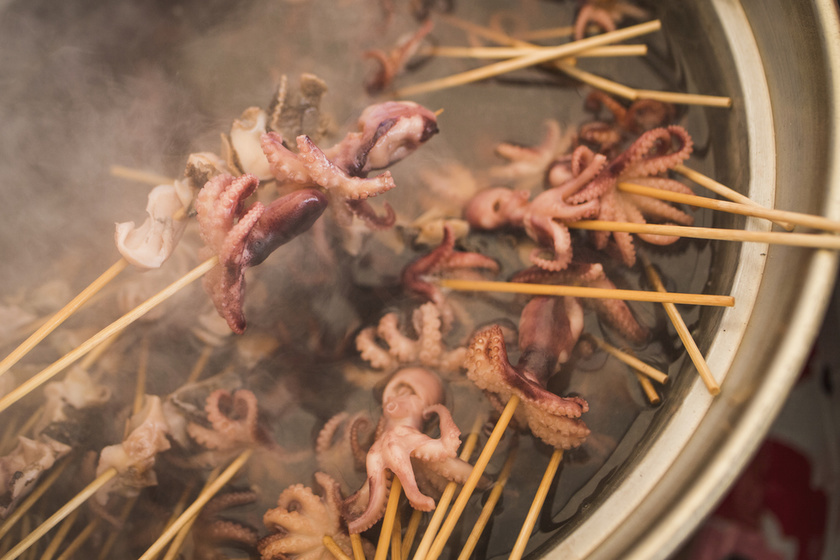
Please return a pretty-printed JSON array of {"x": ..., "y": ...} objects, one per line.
[{"x": 706, "y": 443}]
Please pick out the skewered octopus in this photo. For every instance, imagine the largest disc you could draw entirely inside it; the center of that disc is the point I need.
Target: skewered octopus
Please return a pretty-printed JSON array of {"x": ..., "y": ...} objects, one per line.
[
  {"x": 606, "y": 14},
  {"x": 652, "y": 154},
  {"x": 388, "y": 132},
  {"x": 243, "y": 238},
  {"x": 412, "y": 395},
  {"x": 441, "y": 260},
  {"x": 427, "y": 349},
  {"x": 549, "y": 328},
  {"x": 300, "y": 522},
  {"x": 542, "y": 218},
  {"x": 234, "y": 421}
]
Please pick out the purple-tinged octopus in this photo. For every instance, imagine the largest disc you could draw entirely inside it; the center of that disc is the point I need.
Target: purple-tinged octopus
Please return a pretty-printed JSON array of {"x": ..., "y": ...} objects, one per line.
[
  {"x": 427, "y": 349},
  {"x": 606, "y": 14},
  {"x": 234, "y": 421},
  {"x": 543, "y": 217},
  {"x": 528, "y": 165},
  {"x": 388, "y": 132},
  {"x": 443, "y": 259},
  {"x": 409, "y": 399},
  {"x": 614, "y": 312},
  {"x": 393, "y": 63},
  {"x": 242, "y": 238},
  {"x": 301, "y": 520},
  {"x": 642, "y": 115},
  {"x": 549, "y": 329},
  {"x": 211, "y": 531},
  {"x": 652, "y": 154}
]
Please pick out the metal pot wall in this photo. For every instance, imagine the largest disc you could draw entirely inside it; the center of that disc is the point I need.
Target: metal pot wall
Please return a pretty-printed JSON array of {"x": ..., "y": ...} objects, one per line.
[{"x": 780, "y": 61}]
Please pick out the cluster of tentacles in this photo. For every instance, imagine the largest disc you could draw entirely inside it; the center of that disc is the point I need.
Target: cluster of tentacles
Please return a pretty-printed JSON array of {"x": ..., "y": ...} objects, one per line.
[
  {"x": 401, "y": 446},
  {"x": 301, "y": 520}
]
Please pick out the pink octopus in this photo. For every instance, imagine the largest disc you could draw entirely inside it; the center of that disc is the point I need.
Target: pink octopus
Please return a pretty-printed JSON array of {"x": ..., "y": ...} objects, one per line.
[
  {"x": 427, "y": 349},
  {"x": 527, "y": 165},
  {"x": 393, "y": 63},
  {"x": 412, "y": 395},
  {"x": 606, "y": 14},
  {"x": 234, "y": 421},
  {"x": 300, "y": 522},
  {"x": 388, "y": 132},
  {"x": 614, "y": 312},
  {"x": 652, "y": 154},
  {"x": 549, "y": 329},
  {"x": 242, "y": 238},
  {"x": 442, "y": 260},
  {"x": 543, "y": 217},
  {"x": 642, "y": 115}
]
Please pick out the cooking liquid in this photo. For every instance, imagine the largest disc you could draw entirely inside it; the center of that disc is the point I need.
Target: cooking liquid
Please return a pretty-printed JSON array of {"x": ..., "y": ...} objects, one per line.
[{"x": 148, "y": 101}]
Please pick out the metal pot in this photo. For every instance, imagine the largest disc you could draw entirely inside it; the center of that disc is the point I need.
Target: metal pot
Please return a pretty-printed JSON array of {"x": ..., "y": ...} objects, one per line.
[{"x": 779, "y": 61}]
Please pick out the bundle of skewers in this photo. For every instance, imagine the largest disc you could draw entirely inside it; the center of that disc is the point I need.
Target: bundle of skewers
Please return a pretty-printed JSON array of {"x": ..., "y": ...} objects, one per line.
[{"x": 398, "y": 481}]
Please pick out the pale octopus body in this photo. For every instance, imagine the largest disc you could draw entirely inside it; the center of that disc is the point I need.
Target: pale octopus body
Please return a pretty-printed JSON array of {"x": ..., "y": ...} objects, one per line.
[{"x": 412, "y": 395}]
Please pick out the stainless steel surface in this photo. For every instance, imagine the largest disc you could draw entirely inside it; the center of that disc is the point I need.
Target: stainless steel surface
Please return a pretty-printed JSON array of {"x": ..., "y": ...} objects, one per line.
[
  {"x": 786, "y": 55},
  {"x": 779, "y": 60}
]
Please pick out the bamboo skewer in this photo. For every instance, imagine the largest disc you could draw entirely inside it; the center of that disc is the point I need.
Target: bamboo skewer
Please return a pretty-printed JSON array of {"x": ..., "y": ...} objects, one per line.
[
  {"x": 808, "y": 240},
  {"x": 536, "y": 506},
  {"x": 549, "y": 33},
  {"x": 105, "y": 550},
  {"x": 648, "y": 388},
  {"x": 446, "y": 497},
  {"x": 140, "y": 176},
  {"x": 591, "y": 79},
  {"x": 411, "y": 531},
  {"x": 531, "y": 59},
  {"x": 388, "y": 520},
  {"x": 80, "y": 539},
  {"x": 63, "y": 512},
  {"x": 178, "y": 540},
  {"x": 142, "y": 366},
  {"x": 720, "y": 189},
  {"x": 356, "y": 543},
  {"x": 33, "y": 497},
  {"x": 60, "y": 316},
  {"x": 584, "y": 292},
  {"x": 196, "y": 506},
  {"x": 469, "y": 486},
  {"x": 598, "y": 82},
  {"x": 513, "y": 52},
  {"x": 630, "y": 360},
  {"x": 335, "y": 550},
  {"x": 121, "y": 323},
  {"x": 396, "y": 540},
  {"x": 795, "y": 218},
  {"x": 59, "y": 536},
  {"x": 489, "y": 506},
  {"x": 684, "y": 334}
]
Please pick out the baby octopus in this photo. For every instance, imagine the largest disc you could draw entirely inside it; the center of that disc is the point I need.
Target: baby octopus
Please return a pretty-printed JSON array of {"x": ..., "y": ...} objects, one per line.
[
  {"x": 243, "y": 238},
  {"x": 549, "y": 330},
  {"x": 388, "y": 132},
  {"x": 300, "y": 522},
  {"x": 412, "y": 395},
  {"x": 543, "y": 217},
  {"x": 652, "y": 154}
]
